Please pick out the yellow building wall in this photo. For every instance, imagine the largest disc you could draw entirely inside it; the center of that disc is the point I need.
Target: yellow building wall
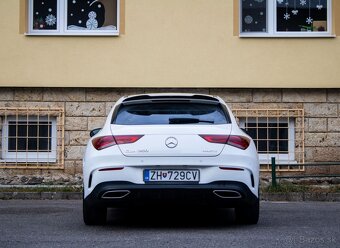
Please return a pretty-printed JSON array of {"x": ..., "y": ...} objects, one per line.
[{"x": 166, "y": 43}]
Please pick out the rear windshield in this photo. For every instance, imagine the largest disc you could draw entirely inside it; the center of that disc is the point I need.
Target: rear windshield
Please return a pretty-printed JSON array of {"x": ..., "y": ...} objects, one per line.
[{"x": 171, "y": 113}]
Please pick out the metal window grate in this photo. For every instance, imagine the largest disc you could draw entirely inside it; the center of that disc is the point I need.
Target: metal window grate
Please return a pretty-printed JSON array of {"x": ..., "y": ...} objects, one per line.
[
  {"x": 32, "y": 138},
  {"x": 277, "y": 133}
]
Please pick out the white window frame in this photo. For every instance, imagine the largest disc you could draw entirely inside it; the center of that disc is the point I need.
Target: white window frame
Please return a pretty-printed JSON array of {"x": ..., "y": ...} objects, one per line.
[
  {"x": 30, "y": 157},
  {"x": 280, "y": 158},
  {"x": 62, "y": 24},
  {"x": 272, "y": 24}
]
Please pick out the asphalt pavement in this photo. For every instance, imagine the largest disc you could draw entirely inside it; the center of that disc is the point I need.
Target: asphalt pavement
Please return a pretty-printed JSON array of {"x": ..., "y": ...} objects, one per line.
[{"x": 49, "y": 223}]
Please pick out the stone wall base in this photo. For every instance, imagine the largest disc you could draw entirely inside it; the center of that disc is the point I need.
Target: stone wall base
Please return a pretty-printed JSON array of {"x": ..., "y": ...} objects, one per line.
[{"x": 87, "y": 108}]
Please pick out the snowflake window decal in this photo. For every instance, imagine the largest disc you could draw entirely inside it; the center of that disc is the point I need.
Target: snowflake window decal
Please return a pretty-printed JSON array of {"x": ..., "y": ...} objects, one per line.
[
  {"x": 51, "y": 20},
  {"x": 303, "y": 2},
  {"x": 286, "y": 16},
  {"x": 309, "y": 20}
]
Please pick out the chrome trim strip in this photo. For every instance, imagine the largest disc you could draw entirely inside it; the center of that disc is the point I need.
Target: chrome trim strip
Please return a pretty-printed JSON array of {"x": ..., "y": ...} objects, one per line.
[
  {"x": 216, "y": 192},
  {"x": 127, "y": 192}
]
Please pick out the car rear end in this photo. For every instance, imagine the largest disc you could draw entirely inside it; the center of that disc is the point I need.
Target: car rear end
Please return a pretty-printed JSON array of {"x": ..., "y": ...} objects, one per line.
[{"x": 170, "y": 149}]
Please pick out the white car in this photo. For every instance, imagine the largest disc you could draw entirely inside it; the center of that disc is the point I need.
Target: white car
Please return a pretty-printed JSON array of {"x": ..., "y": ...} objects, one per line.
[{"x": 171, "y": 149}]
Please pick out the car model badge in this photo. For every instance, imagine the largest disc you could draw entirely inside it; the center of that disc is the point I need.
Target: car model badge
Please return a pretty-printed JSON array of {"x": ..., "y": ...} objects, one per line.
[{"x": 171, "y": 142}]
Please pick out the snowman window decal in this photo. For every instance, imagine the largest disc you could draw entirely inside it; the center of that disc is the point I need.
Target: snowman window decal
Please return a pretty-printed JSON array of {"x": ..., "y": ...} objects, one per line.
[
  {"x": 89, "y": 15},
  {"x": 74, "y": 17}
]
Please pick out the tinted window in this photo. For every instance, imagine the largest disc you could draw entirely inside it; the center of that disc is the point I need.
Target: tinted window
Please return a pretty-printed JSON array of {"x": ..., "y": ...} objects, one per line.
[{"x": 170, "y": 113}]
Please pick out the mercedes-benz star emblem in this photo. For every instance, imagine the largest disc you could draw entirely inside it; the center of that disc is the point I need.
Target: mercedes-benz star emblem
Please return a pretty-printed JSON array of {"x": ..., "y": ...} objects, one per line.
[{"x": 171, "y": 142}]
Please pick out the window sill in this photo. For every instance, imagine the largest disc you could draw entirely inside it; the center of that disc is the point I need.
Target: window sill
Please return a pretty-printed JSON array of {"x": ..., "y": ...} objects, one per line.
[
  {"x": 278, "y": 162},
  {"x": 28, "y": 161},
  {"x": 287, "y": 36},
  {"x": 72, "y": 34}
]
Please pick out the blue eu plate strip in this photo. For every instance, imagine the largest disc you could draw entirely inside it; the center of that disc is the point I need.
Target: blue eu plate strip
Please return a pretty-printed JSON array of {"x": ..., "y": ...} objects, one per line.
[{"x": 146, "y": 175}]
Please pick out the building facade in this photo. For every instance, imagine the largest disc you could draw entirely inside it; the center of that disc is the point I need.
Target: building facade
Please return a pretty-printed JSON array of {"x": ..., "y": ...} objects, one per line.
[{"x": 65, "y": 63}]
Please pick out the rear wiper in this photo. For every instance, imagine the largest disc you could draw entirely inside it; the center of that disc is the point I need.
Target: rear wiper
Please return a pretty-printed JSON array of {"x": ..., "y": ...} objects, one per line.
[{"x": 187, "y": 121}]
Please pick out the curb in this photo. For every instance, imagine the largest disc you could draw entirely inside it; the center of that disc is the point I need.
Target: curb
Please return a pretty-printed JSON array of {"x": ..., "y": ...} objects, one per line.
[
  {"x": 41, "y": 195},
  {"x": 292, "y": 196},
  {"x": 301, "y": 196}
]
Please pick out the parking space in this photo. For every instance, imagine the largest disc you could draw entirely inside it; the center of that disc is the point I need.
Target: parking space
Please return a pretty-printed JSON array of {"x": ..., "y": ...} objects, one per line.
[{"x": 26, "y": 223}]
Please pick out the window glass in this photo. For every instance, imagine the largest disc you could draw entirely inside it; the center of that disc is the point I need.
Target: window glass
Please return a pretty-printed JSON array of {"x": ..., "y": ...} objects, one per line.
[
  {"x": 74, "y": 17},
  {"x": 285, "y": 18},
  {"x": 269, "y": 137},
  {"x": 92, "y": 15},
  {"x": 254, "y": 15},
  {"x": 170, "y": 113},
  {"x": 301, "y": 15},
  {"x": 29, "y": 136},
  {"x": 45, "y": 15}
]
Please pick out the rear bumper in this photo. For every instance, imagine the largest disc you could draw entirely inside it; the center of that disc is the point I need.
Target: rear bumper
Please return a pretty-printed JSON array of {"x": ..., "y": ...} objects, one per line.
[{"x": 125, "y": 194}]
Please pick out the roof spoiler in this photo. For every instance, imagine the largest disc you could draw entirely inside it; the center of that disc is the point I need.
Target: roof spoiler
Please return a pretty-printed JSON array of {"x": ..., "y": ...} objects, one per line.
[{"x": 179, "y": 98}]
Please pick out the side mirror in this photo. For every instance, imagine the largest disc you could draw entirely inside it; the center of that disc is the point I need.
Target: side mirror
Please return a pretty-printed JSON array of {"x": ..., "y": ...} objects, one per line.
[{"x": 95, "y": 131}]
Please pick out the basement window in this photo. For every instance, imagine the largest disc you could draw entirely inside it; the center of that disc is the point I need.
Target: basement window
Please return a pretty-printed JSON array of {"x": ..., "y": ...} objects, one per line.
[
  {"x": 277, "y": 133},
  {"x": 31, "y": 139},
  {"x": 273, "y": 137},
  {"x": 285, "y": 18},
  {"x": 73, "y": 17}
]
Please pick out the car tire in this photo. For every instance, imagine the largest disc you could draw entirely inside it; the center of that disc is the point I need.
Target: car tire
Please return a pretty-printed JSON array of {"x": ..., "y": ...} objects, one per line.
[
  {"x": 94, "y": 215},
  {"x": 249, "y": 214}
]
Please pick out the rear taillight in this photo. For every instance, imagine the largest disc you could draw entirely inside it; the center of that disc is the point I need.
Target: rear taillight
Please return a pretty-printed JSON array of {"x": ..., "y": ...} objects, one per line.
[
  {"x": 220, "y": 139},
  {"x": 232, "y": 140},
  {"x": 127, "y": 139},
  {"x": 238, "y": 141},
  {"x": 103, "y": 142}
]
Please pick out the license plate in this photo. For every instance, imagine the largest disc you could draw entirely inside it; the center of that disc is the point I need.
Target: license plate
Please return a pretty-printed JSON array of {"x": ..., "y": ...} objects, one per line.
[{"x": 171, "y": 175}]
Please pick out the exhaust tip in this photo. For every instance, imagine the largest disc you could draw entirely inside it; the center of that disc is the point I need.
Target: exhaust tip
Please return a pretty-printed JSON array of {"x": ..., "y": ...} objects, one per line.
[
  {"x": 115, "y": 194},
  {"x": 231, "y": 194}
]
